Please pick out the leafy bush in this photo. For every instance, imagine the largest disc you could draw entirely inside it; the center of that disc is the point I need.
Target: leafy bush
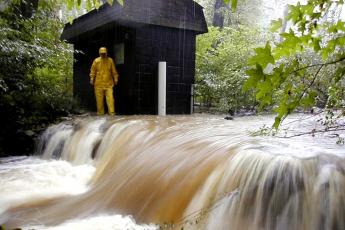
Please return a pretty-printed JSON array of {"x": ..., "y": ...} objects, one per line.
[
  {"x": 221, "y": 58},
  {"x": 35, "y": 77},
  {"x": 306, "y": 67}
]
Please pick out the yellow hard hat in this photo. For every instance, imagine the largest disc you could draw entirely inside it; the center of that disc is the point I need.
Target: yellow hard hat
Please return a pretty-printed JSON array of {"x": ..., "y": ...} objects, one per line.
[{"x": 102, "y": 50}]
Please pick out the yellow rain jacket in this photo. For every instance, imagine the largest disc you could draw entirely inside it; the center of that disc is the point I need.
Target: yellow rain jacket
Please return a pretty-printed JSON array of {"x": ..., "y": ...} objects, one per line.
[
  {"x": 103, "y": 73},
  {"x": 103, "y": 76}
]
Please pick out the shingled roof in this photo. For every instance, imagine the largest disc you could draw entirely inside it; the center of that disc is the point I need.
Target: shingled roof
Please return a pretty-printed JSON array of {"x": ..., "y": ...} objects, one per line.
[{"x": 181, "y": 14}]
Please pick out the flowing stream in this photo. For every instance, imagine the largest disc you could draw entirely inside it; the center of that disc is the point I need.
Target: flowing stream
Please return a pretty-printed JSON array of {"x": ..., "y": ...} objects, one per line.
[{"x": 176, "y": 172}]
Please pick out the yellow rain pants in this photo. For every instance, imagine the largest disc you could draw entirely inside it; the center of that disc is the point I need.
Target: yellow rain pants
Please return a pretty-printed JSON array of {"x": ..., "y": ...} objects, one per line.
[
  {"x": 104, "y": 76},
  {"x": 108, "y": 93}
]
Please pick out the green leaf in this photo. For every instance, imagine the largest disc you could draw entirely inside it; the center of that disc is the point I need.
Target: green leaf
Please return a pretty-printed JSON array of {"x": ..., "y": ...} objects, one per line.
[
  {"x": 291, "y": 44},
  {"x": 339, "y": 74},
  {"x": 305, "y": 39},
  {"x": 262, "y": 57},
  {"x": 307, "y": 9},
  {"x": 110, "y": 2},
  {"x": 233, "y": 5},
  {"x": 316, "y": 42},
  {"x": 278, "y": 76},
  {"x": 294, "y": 13},
  {"x": 309, "y": 100},
  {"x": 88, "y": 5},
  {"x": 120, "y": 2},
  {"x": 282, "y": 109},
  {"x": 264, "y": 92},
  {"x": 339, "y": 26},
  {"x": 276, "y": 25},
  {"x": 277, "y": 121},
  {"x": 70, "y": 4},
  {"x": 291, "y": 40},
  {"x": 329, "y": 49},
  {"x": 316, "y": 15},
  {"x": 255, "y": 75},
  {"x": 340, "y": 41},
  {"x": 70, "y": 19},
  {"x": 96, "y": 3}
]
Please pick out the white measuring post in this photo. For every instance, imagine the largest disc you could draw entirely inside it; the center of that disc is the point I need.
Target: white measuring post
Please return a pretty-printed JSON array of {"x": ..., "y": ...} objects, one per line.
[
  {"x": 191, "y": 98},
  {"x": 162, "y": 82}
]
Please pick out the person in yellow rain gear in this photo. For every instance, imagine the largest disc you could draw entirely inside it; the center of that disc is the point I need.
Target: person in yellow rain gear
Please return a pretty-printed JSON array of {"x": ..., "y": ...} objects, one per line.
[{"x": 104, "y": 76}]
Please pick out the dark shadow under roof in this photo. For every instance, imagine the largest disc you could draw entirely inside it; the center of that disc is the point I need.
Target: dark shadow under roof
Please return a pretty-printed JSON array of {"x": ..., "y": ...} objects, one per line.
[{"x": 181, "y": 14}]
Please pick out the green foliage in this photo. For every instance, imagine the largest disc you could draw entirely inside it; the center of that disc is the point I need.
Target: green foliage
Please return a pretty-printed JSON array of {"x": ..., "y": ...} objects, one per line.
[
  {"x": 89, "y": 4},
  {"x": 306, "y": 66},
  {"x": 276, "y": 24},
  {"x": 35, "y": 76},
  {"x": 234, "y": 12},
  {"x": 233, "y": 4},
  {"x": 221, "y": 57},
  {"x": 262, "y": 57}
]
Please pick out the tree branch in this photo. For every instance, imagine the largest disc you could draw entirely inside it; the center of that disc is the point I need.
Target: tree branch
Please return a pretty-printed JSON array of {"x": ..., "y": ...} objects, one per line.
[
  {"x": 332, "y": 129},
  {"x": 319, "y": 64},
  {"x": 311, "y": 83}
]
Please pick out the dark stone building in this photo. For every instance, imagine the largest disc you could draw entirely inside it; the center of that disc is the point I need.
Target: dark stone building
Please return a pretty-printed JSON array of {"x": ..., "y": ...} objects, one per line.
[{"x": 138, "y": 36}]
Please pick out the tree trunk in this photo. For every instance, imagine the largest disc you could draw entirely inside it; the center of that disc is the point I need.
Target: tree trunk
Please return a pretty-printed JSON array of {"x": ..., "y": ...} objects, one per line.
[{"x": 218, "y": 18}]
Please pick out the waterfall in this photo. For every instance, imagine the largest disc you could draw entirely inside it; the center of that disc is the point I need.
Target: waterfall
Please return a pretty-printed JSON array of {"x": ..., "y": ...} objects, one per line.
[{"x": 192, "y": 172}]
